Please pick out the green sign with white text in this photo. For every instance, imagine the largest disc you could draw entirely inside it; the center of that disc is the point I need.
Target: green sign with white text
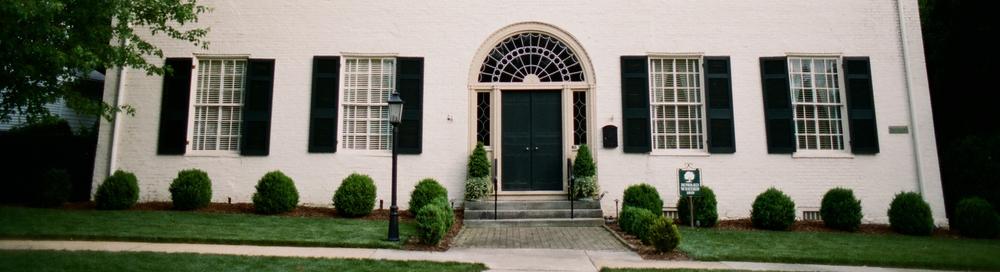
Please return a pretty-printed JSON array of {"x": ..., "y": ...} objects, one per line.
[{"x": 690, "y": 181}]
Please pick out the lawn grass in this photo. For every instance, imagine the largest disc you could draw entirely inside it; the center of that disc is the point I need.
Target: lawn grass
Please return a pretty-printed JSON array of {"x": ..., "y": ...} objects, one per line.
[
  {"x": 196, "y": 227},
  {"x": 840, "y": 249},
  {"x": 41, "y": 261}
]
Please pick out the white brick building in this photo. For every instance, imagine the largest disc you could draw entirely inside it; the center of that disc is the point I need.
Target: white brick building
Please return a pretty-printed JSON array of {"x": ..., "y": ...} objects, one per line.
[{"x": 752, "y": 115}]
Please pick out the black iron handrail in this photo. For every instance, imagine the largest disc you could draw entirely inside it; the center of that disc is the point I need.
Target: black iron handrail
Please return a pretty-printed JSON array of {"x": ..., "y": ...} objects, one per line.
[
  {"x": 569, "y": 175},
  {"x": 496, "y": 190}
]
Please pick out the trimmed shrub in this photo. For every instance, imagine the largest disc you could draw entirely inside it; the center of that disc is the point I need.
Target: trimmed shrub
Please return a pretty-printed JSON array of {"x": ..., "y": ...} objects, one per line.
[
  {"x": 636, "y": 221},
  {"x": 431, "y": 225},
  {"x": 118, "y": 192},
  {"x": 643, "y": 196},
  {"x": 583, "y": 164},
  {"x": 425, "y": 191},
  {"x": 585, "y": 187},
  {"x": 974, "y": 217},
  {"x": 840, "y": 210},
  {"x": 663, "y": 235},
  {"x": 910, "y": 215},
  {"x": 626, "y": 218},
  {"x": 479, "y": 164},
  {"x": 275, "y": 194},
  {"x": 773, "y": 210},
  {"x": 356, "y": 196},
  {"x": 192, "y": 189},
  {"x": 449, "y": 213},
  {"x": 52, "y": 189},
  {"x": 705, "y": 212},
  {"x": 478, "y": 188}
]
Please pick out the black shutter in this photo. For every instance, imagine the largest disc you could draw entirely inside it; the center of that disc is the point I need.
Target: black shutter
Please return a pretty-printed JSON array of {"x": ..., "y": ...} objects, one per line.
[
  {"x": 323, "y": 112},
  {"x": 410, "y": 84},
  {"x": 777, "y": 105},
  {"x": 257, "y": 108},
  {"x": 719, "y": 98},
  {"x": 174, "y": 107},
  {"x": 635, "y": 104},
  {"x": 860, "y": 105}
]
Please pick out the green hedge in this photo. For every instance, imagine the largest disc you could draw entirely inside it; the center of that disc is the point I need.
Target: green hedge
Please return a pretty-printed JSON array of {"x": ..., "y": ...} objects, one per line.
[
  {"x": 975, "y": 217},
  {"x": 773, "y": 210},
  {"x": 643, "y": 196},
  {"x": 426, "y": 190},
  {"x": 434, "y": 220},
  {"x": 840, "y": 210},
  {"x": 118, "y": 192},
  {"x": 52, "y": 189},
  {"x": 705, "y": 211},
  {"x": 663, "y": 234},
  {"x": 356, "y": 196},
  {"x": 192, "y": 189},
  {"x": 910, "y": 215},
  {"x": 276, "y": 193}
]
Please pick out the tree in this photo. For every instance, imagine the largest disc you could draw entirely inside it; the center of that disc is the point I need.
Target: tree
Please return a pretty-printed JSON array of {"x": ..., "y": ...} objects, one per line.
[{"x": 47, "y": 46}]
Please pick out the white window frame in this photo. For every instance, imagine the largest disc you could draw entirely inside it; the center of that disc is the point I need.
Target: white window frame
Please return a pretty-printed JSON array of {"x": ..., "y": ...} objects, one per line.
[
  {"x": 845, "y": 152},
  {"x": 703, "y": 151},
  {"x": 192, "y": 106},
  {"x": 342, "y": 103}
]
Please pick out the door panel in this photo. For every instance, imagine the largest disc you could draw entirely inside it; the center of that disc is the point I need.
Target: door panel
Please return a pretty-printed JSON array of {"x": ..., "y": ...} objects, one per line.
[
  {"x": 516, "y": 127},
  {"x": 546, "y": 138},
  {"x": 531, "y": 140}
]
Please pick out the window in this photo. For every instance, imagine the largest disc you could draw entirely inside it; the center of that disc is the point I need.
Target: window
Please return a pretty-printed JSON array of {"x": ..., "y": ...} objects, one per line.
[
  {"x": 531, "y": 57},
  {"x": 218, "y": 104},
  {"x": 367, "y": 85},
  {"x": 579, "y": 118},
  {"x": 676, "y": 103},
  {"x": 483, "y": 118},
  {"x": 815, "y": 86}
]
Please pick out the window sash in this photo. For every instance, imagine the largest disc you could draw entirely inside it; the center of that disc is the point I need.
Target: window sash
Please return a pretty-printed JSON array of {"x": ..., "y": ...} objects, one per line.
[
  {"x": 368, "y": 81},
  {"x": 817, "y": 102},
  {"x": 218, "y": 105},
  {"x": 676, "y": 100}
]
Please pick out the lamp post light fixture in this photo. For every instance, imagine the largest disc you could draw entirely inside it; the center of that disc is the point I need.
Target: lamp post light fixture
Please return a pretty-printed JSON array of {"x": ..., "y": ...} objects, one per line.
[{"x": 395, "y": 117}]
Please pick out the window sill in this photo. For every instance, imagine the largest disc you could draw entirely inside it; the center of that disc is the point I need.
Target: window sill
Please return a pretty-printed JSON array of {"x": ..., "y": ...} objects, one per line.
[
  {"x": 680, "y": 153},
  {"x": 217, "y": 154},
  {"x": 367, "y": 153},
  {"x": 839, "y": 154}
]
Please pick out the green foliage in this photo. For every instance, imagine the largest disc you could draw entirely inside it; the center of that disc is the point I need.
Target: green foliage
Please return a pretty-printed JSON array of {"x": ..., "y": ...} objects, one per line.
[
  {"x": 773, "y": 210},
  {"x": 636, "y": 221},
  {"x": 431, "y": 223},
  {"x": 52, "y": 189},
  {"x": 910, "y": 215},
  {"x": 643, "y": 196},
  {"x": 974, "y": 217},
  {"x": 118, "y": 192},
  {"x": 970, "y": 167},
  {"x": 663, "y": 234},
  {"x": 192, "y": 189},
  {"x": 478, "y": 188},
  {"x": 275, "y": 194},
  {"x": 705, "y": 213},
  {"x": 53, "y": 43},
  {"x": 356, "y": 196},
  {"x": 479, "y": 164},
  {"x": 840, "y": 210},
  {"x": 426, "y": 190},
  {"x": 585, "y": 187},
  {"x": 583, "y": 165},
  {"x": 449, "y": 213}
]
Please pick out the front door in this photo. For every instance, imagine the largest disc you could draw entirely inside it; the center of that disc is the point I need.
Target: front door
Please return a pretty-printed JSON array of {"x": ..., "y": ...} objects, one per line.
[{"x": 531, "y": 143}]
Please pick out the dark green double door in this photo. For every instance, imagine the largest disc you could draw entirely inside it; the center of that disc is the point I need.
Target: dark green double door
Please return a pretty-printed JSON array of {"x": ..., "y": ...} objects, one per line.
[{"x": 531, "y": 141}]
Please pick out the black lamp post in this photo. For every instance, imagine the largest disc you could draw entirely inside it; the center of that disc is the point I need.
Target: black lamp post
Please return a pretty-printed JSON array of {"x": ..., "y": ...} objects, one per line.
[{"x": 395, "y": 117}]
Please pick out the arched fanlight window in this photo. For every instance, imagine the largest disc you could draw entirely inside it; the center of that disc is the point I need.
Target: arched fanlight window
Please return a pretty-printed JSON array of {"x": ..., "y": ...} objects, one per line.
[{"x": 531, "y": 57}]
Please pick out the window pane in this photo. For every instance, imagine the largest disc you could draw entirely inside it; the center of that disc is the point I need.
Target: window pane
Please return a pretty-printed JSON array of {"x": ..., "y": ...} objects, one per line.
[
  {"x": 367, "y": 85},
  {"x": 815, "y": 86},
  {"x": 676, "y": 103}
]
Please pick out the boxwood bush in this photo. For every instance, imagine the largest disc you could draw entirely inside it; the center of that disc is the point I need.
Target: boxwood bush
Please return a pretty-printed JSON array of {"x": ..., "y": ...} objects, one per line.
[
  {"x": 449, "y": 213},
  {"x": 705, "y": 212},
  {"x": 118, "y": 192},
  {"x": 975, "y": 217},
  {"x": 52, "y": 189},
  {"x": 478, "y": 183},
  {"x": 643, "y": 196},
  {"x": 356, "y": 196},
  {"x": 910, "y": 215},
  {"x": 663, "y": 234},
  {"x": 773, "y": 210},
  {"x": 275, "y": 194},
  {"x": 192, "y": 189},
  {"x": 426, "y": 190},
  {"x": 433, "y": 222},
  {"x": 840, "y": 210},
  {"x": 636, "y": 221}
]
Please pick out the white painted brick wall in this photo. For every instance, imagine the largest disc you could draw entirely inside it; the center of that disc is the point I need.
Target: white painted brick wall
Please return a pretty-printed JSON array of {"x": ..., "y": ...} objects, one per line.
[{"x": 448, "y": 33}]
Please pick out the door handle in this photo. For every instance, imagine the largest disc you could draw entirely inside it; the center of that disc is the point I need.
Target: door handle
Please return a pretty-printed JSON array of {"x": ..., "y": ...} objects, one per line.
[
  {"x": 536, "y": 148},
  {"x": 527, "y": 148}
]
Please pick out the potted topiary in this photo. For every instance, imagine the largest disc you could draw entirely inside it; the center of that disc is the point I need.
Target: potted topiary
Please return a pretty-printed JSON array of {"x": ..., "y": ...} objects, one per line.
[
  {"x": 477, "y": 183},
  {"x": 585, "y": 175}
]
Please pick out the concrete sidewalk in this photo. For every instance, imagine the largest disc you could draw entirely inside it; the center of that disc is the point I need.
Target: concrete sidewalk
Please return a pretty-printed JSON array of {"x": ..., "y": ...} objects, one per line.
[{"x": 495, "y": 259}]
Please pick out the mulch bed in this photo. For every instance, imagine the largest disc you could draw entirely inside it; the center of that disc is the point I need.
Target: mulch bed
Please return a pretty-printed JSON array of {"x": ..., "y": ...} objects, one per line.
[
  {"x": 645, "y": 251},
  {"x": 414, "y": 242},
  {"x": 247, "y": 208},
  {"x": 818, "y": 226}
]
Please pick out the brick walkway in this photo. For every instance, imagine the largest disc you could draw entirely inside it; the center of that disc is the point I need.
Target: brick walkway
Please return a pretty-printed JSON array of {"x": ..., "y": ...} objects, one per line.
[{"x": 587, "y": 238}]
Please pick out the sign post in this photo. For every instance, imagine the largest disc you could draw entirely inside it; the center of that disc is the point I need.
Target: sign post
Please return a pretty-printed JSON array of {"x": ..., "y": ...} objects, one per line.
[{"x": 690, "y": 183}]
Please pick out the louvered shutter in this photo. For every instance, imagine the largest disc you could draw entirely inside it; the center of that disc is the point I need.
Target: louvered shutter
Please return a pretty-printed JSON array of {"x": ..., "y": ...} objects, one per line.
[
  {"x": 323, "y": 111},
  {"x": 256, "y": 136},
  {"x": 410, "y": 84},
  {"x": 174, "y": 106},
  {"x": 719, "y": 99},
  {"x": 777, "y": 105},
  {"x": 860, "y": 105},
  {"x": 635, "y": 104}
]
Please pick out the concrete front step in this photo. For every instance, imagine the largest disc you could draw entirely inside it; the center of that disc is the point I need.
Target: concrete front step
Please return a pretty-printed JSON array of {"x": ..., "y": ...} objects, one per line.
[
  {"x": 532, "y": 205},
  {"x": 533, "y": 222},
  {"x": 532, "y": 214}
]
